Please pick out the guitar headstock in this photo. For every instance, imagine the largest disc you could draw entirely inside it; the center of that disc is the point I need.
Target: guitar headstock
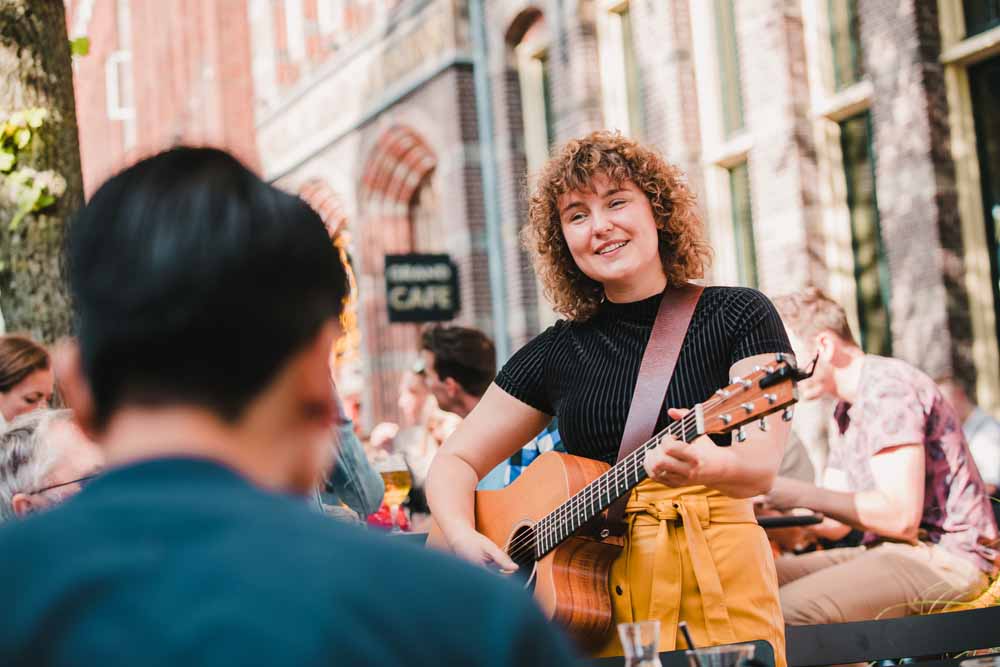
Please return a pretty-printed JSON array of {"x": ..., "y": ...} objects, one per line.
[{"x": 767, "y": 389}]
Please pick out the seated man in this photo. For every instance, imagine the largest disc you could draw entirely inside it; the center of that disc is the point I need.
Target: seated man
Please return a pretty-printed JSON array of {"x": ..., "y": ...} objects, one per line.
[
  {"x": 44, "y": 459},
  {"x": 459, "y": 364},
  {"x": 206, "y": 303},
  {"x": 911, "y": 484}
]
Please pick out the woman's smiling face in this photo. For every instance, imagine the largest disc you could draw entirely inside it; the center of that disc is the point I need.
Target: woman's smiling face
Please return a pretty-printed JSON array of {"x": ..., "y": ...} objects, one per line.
[{"x": 611, "y": 233}]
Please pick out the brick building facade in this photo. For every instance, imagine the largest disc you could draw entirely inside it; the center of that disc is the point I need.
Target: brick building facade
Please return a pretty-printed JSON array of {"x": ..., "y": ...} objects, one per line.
[
  {"x": 829, "y": 144},
  {"x": 852, "y": 144},
  {"x": 380, "y": 109},
  {"x": 160, "y": 74}
]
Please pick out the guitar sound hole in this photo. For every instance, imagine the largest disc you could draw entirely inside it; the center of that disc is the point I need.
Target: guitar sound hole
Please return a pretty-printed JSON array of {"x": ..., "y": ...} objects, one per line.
[{"x": 521, "y": 549}]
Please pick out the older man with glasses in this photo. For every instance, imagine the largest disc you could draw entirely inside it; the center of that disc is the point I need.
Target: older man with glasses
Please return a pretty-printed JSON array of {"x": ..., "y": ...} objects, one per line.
[{"x": 44, "y": 459}]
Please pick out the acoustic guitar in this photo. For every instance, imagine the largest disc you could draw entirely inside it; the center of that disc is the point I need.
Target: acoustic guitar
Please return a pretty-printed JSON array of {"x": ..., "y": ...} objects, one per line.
[{"x": 549, "y": 519}]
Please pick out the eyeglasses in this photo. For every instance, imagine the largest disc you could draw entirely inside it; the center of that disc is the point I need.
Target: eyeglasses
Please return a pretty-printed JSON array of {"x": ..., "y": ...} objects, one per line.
[{"x": 82, "y": 481}]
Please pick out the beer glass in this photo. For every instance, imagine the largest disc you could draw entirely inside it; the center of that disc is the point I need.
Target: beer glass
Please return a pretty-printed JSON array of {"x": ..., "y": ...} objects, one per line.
[
  {"x": 398, "y": 481},
  {"x": 639, "y": 643}
]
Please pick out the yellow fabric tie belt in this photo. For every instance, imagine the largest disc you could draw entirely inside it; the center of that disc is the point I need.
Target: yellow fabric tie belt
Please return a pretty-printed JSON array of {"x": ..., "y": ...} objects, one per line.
[{"x": 695, "y": 512}]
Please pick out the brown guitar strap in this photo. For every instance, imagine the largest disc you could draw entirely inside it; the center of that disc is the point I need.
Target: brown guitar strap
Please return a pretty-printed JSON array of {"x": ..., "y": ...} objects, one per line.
[{"x": 657, "y": 368}]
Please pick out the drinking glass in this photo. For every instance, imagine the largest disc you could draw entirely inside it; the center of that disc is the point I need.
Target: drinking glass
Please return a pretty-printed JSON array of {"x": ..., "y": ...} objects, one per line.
[
  {"x": 639, "y": 643},
  {"x": 732, "y": 655},
  {"x": 398, "y": 481}
]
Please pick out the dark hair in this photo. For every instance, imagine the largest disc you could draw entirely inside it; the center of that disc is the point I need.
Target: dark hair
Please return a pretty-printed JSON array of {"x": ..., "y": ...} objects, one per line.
[
  {"x": 19, "y": 357},
  {"x": 467, "y": 355},
  {"x": 194, "y": 282}
]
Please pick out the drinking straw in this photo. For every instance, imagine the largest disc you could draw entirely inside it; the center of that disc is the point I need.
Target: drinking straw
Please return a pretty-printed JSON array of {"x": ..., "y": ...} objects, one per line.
[{"x": 687, "y": 637}]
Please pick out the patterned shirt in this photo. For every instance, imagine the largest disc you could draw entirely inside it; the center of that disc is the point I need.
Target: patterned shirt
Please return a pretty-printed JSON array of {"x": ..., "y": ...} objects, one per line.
[
  {"x": 899, "y": 405},
  {"x": 548, "y": 440}
]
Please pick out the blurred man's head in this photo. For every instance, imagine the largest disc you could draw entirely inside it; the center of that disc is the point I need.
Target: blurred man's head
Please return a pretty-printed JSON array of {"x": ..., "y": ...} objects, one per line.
[
  {"x": 459, "y": 365},
  {"x": 44, "y": 459},
  {"x": 817, "y": 328},
  {"x": 199, "y": 287}
]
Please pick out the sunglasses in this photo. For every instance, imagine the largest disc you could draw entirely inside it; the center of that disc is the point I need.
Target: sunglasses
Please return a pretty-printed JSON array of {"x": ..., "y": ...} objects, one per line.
[{"x": 82, "y": 481}]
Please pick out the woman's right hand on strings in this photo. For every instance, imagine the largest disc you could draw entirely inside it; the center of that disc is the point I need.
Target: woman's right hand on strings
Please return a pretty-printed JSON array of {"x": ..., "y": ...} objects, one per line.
[{"x": 477, "y": 548}]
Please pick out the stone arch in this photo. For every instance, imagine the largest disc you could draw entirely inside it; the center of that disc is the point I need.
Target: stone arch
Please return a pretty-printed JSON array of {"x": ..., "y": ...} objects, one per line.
[
  {"x": 520, "y": 23},
  {"x": 398, "y": 163}
]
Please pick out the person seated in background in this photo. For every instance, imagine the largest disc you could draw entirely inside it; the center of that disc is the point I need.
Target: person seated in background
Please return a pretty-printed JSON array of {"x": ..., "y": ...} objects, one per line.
[
  {"x": 459, "y": 366},
  {"x": 44, "y": 459},
  {"x": 908, "y": 480},
  {"x": 353, "y": 489},
  {"x": 423, "y": 429},
  {"x": 982, "y": 432},
  {"x": 206, "y": 304},
  {"x": 26, "y": 379},
  {"x": 381, "y": 441}
]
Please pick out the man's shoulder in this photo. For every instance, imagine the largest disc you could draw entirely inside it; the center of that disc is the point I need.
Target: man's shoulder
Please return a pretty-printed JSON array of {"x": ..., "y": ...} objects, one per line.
[
  {"x": 891, "y": 369},
  {"x": 887, "y": 378},
  {"x": 310, "y": 550}
]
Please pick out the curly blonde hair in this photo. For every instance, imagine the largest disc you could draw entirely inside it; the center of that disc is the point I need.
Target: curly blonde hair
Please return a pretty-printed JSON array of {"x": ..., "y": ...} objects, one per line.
[{"x": 683, "y": 249}]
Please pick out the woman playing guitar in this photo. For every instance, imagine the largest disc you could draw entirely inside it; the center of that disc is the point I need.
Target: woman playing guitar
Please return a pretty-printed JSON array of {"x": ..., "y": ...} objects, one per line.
[{"x": 612, "y": 226}]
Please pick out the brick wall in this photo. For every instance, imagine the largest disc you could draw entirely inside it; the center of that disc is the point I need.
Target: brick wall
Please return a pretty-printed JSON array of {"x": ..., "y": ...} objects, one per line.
[
  {"x": 915, "y": 181},
  {"x": 375, "y": 170},
  {"x": 781, "y": 160},
  {"x": 191, "y": 78},
  {"x": 669, "y": 96}
]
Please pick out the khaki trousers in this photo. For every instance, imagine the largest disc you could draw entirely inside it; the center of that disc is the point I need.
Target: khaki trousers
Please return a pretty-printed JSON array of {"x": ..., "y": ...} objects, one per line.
[{"x": 865, "y": 583}]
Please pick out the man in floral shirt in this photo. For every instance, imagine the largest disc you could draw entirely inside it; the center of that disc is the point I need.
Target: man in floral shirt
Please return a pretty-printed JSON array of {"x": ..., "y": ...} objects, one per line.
[{"x": 907, "y": 478}]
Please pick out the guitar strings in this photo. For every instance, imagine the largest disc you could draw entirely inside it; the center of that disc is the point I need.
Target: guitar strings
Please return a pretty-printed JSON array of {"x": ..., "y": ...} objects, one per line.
[
  {"x": 590, "y": 492},
  {"x": 527, "y": 542}
]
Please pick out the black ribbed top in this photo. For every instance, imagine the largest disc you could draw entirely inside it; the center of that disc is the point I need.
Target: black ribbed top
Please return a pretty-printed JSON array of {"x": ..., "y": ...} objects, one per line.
[{"x": 585, "y": 372}]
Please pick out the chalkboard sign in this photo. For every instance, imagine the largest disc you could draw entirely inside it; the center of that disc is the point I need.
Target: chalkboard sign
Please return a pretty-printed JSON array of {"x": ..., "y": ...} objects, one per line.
[{"x": 421, "y": 288}]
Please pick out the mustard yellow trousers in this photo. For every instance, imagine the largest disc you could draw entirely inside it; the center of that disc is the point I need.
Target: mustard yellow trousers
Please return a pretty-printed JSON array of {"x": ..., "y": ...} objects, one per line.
[{"x": 692, "y": 554}]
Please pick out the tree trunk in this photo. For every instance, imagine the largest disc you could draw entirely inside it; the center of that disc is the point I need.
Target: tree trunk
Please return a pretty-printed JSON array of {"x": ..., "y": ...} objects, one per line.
[{"x": 36, "y": 71}]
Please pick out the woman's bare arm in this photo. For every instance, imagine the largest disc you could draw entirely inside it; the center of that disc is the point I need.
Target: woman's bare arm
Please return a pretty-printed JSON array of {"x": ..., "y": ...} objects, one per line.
[{"x": 495, "y": 429}]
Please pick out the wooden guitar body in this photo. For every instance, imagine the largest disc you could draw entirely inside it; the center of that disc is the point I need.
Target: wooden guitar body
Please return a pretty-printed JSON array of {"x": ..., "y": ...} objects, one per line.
[{"x": 570, "y": 583}]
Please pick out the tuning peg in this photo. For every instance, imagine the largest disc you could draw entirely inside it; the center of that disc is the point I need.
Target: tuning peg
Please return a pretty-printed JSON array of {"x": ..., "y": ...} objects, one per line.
[
  {"x": 787, "y": 414},
  {"x": 762, "y": 423},
  {"x": 741, "y": 435}
]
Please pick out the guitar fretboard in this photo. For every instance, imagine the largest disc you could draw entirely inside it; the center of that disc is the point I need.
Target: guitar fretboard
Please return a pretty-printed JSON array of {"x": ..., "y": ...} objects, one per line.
[{"x": 597, "y": 496}]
